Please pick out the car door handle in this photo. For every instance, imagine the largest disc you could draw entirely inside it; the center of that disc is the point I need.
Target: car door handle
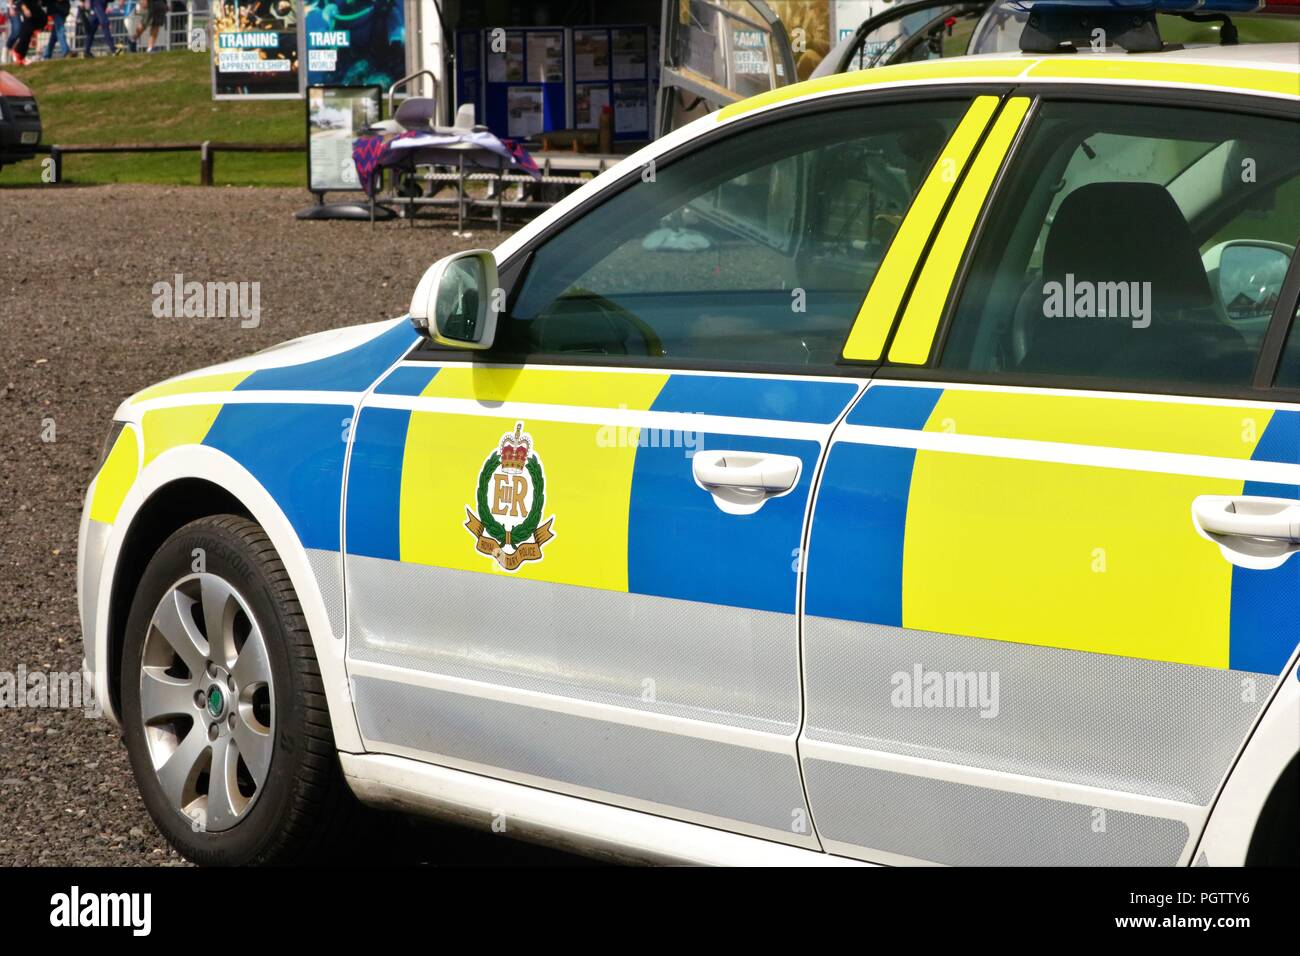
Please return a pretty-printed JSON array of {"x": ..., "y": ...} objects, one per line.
[
  {"x": 741, "y": 469},
  {"x": 1251, "y": 531},
  {"x": 1248, "y": 517},
  {"x": 741, "y": 481}
]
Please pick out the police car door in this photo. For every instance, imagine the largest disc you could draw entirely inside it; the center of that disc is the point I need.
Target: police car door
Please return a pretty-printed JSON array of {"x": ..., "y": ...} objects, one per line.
[
  {"x": 574, "y": 561},
  {"x": 1049, "y": 589}
]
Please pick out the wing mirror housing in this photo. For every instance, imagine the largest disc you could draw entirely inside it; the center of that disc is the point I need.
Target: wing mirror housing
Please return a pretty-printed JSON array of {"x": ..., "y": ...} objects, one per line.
[
  {"x": 455, "y": 304},
  {"x": 1247, "y": 275}
]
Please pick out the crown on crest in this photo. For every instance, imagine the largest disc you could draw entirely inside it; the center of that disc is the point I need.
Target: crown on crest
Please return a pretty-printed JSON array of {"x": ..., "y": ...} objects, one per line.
[{"x": 515, "y": 449}]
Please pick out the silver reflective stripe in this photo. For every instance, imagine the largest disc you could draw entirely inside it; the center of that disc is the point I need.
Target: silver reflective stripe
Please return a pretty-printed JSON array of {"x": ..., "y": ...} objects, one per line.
[
  {"x": 1144, "y": 727},
  {"x": 720, "y": 780},
  {"x": 961, "y": 825},
  {"x": 327, "y": 566},
  {"x": 722, "y": 665},
  {"x": 90, "y": 556}
]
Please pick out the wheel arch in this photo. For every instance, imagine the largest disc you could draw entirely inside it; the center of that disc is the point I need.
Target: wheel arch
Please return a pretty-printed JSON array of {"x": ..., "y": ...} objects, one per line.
[
  {"x": 168, "y": 509},
  {"x": 179, "y": 486}
]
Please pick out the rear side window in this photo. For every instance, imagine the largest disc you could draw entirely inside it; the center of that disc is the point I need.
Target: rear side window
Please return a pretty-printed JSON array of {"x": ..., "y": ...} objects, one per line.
[
  {"x": 755, "y": 249},
  {"x": 1288, "y": 372},
  {"x": 1142, "y": 243}
]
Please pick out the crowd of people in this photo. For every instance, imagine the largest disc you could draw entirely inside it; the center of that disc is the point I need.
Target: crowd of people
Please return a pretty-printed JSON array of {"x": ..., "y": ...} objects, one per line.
[{"x": 21, "y": 20}]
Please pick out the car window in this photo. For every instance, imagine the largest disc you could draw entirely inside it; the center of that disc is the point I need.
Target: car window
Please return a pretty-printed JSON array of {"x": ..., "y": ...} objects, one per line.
[
  {"x": 755, "y": 249},
  {"x": 1139, "y": 243},
  {"x": 1288, "y": 372}
]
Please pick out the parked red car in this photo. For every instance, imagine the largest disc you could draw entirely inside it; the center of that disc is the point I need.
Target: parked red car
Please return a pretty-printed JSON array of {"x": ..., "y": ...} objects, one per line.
[{"x": 20, "y": 121}]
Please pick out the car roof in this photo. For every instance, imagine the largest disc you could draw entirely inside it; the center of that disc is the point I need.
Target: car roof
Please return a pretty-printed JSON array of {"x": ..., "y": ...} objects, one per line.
[{"x": 1263, "y": 69}]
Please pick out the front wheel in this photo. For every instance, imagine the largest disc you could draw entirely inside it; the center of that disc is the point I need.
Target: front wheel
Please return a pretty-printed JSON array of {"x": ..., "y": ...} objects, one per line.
[{"x": 222, "y": 703}]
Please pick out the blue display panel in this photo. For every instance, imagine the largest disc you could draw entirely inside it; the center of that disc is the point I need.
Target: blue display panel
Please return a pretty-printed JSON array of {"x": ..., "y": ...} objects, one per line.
[{"x": 611, "y": 66}]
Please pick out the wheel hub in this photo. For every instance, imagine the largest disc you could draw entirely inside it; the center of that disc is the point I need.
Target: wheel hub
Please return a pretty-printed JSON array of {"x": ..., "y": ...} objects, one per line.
[
  {"x": 216, "y": 701},
  {"x": 207, "y": 701}
]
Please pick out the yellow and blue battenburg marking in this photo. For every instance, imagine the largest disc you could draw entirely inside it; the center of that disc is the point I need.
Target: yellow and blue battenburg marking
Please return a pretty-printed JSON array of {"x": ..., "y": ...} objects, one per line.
[
  {"x": 296, "y": 451},
  {"x": 1092, "y": 558},
  {"x": 628, "y": 515}
]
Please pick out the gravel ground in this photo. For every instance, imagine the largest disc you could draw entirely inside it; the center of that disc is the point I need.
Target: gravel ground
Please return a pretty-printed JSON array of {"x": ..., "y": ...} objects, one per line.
[{"x": 78, "y": 336}]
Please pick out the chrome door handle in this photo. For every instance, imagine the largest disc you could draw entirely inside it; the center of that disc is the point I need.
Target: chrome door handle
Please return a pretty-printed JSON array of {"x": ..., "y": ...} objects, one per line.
[
  {"x": 1252, "y": 532},
  {"x": 740, "y": 481}
]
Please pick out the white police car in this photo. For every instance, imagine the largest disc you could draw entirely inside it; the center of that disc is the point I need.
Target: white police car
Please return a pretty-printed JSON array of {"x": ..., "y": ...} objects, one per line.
[{"x": 901, "y": 466}]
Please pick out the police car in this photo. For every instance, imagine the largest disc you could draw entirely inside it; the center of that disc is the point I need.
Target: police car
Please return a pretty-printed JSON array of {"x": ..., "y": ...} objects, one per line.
[{"x": 900, "y": 467}]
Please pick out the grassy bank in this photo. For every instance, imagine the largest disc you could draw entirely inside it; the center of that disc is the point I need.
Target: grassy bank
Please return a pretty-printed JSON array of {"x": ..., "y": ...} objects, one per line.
[{"x": 159, "y": 98}]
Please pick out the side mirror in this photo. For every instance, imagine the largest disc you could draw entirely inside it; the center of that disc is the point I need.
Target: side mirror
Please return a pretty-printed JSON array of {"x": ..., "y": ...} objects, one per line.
[
  {"x": 1247, "y": 275},
  {"x": 454, "y": 304}
]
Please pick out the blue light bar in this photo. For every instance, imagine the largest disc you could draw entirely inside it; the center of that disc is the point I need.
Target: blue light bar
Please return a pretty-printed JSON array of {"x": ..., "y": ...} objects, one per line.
[
  {"x": 1155, "y": 6},
  {"x": 1065, "y": 26}
]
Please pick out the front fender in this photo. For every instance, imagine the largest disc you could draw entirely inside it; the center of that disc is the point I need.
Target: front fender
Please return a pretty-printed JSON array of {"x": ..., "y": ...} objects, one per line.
[{"x": 314, "y": 576}]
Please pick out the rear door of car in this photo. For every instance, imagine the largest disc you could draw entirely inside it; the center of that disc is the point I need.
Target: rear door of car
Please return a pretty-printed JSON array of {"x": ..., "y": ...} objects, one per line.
[
  {"x": 559, "y": 568},
  {"x": 1048, "y": 589}
]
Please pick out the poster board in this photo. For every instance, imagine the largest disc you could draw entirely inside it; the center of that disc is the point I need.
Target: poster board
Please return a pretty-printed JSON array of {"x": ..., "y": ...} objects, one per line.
[
  {"x": 611, "y": 66},
  {"x": 525, "y": 81},
  {"x": 335, "y": 116},
  {"x": 354, "y": 42},
  {"x": 254, "y": 49}
]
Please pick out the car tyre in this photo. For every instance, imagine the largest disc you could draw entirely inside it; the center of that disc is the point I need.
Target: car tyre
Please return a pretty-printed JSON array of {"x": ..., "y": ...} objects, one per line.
[{"x": 230, "y": 739}]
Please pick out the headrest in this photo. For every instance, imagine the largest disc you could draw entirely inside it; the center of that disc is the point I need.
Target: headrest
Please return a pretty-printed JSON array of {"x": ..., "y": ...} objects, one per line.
[{"x": 1127, "y": 232}]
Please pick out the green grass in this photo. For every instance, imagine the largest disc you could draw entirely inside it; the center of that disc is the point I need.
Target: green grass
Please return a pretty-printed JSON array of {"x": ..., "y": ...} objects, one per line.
[{"x": 159, "y": 98}]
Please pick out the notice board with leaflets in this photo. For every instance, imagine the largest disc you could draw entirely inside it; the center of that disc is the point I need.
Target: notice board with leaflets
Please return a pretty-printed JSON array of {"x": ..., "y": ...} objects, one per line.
[
  {"x": 525, "y": 87},
  {"x": 611, "y": 66}
]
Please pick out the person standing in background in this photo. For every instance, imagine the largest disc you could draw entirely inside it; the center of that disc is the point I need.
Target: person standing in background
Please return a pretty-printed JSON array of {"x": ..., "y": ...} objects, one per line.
[
  {"x": 15, "y": 22},
  {"x": 99, "y": 18},
  {"x": 34, "y": 18},
  {"x": 58, "y": 10},
  {"x": 153, "y": 18}
]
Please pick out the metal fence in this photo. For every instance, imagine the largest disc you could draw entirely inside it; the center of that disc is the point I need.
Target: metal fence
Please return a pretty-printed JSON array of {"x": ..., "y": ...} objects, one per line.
[{"x": 181, "y": 25}]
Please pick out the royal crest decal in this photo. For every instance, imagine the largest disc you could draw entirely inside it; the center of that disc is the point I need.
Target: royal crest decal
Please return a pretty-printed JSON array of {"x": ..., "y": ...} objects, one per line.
[{"x": 511, "y": 500}]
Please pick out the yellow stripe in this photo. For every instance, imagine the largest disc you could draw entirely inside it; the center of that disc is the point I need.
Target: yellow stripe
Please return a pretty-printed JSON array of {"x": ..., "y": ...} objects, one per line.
[
  {"x": 860, "y": 79},
  {"x": 1223, "y": 431},
  {"x": 1138, "y": 69},
  {"x": 1090, "y": 559},
  {"x": 166, "y": 428},
  {"x": 116, "y": 477},
  {"x": 217, "y": 382},
  {"x": 921, "y": 317},
  {"x": 588, "y": 490},
  {"x": 548, "y": 387},
  {"x": 880, "y": 307}
]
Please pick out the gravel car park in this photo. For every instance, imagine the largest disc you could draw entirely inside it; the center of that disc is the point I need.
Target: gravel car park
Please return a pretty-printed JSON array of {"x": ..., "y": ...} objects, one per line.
[{"x": 78, "y": 333}]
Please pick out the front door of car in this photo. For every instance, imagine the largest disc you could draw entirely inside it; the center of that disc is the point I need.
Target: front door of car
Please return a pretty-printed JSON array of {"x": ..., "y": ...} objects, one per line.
[
  {"x": 575, "y": 561},
  {"x": 1049, "y": 590}
]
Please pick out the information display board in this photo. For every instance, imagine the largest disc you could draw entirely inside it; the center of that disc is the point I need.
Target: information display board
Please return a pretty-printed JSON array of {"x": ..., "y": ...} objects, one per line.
[
  {"x": 611, "y": 66},
  {"x": 335, "y": 116},
  {"x": 354, "y": 42},
  {"x": 254, "y": 49},
  {"x": 524, "y": 82}
]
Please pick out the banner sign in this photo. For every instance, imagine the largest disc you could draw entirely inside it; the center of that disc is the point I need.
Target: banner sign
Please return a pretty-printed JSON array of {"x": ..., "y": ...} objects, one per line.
[
  {"x": 335, "y": 117},
  {"x": 355, "y": 42},
  {"x": 254, "y": 49}
]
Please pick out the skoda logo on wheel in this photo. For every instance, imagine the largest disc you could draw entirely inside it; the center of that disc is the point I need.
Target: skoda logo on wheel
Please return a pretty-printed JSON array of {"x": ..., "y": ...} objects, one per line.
[{"x": 216, "y": 701}]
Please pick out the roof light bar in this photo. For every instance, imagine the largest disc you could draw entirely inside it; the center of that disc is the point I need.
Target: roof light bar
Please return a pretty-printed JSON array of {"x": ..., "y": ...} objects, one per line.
[{"x": 1063, "y": 26}]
